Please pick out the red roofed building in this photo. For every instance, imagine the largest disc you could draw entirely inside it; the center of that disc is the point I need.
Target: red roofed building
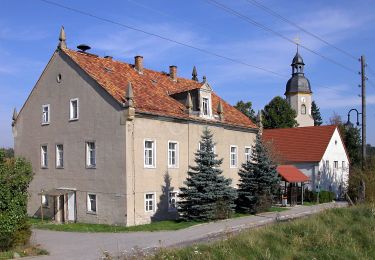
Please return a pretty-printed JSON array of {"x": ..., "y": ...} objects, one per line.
[
  {"x": 111, "y": 142},
  {"x": 318, "y": 151}
]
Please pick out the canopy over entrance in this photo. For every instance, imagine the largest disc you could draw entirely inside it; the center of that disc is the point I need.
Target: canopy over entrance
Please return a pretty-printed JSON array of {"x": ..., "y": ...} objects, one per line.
[
  {"x": 55, "y": 192},
  {"x": 291, "y": 174}
]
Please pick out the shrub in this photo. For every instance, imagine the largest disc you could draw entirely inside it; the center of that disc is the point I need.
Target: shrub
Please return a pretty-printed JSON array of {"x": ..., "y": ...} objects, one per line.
[
  {"x": 15, "y": 176},
  {"x": 324, "y": 196}
]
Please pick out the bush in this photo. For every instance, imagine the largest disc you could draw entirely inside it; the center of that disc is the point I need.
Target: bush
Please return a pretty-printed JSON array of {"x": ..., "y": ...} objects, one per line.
[
  {"x": 324, "y": 196},
  {"x": 15, "y": 176},
  {"x": 368, "y": 176}
]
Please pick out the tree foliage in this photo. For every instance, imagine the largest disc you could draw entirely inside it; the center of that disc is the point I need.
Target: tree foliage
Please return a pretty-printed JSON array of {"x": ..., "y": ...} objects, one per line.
[
  {"x": 207, "y": 194},
  {"x": 8, "y": 152},
  {"x": 259, "y": 181},
  {"x": 315, "y": 112},
  {"x": 247, "y": 109},
  {"x": 278, "y": 114},
  {"x": 15, "y": 176}
]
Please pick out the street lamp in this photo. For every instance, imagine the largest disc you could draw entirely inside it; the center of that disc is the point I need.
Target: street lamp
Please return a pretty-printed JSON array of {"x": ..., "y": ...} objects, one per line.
[{"x": 350, "y": 124}]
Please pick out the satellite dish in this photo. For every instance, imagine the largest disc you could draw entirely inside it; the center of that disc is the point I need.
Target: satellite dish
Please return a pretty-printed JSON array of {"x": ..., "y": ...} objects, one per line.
[{"x": 83, "y": 47}]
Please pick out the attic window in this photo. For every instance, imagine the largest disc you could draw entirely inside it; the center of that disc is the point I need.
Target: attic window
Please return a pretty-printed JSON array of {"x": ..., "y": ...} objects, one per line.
[
  {"x": 335, "y": 142},
  {"x": 58, "y": 78},
  {"x": 108, "y": 69}
]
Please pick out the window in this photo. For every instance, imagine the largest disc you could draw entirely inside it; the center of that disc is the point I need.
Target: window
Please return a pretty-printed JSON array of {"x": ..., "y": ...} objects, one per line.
[
  {"x": 43, "y": 156},
  {"x": 59, "y": 156},
  {"x": 44, "y": 201},
  {"x": 213, "y": 148},
  {"x": 45, "y": 114},
  {"x": 248, "y": 154},
  {"x": 90, "y": 154},
  {"x": 74, "y": 109},
  {"x": 336, "y": 164},
  {"x": 172, "y": 201},
  {"x": 205, "y": 106},
  {"x": 343, "y": 164},
  {"x": 91, "y": 203},
  {"x": 303, "y": 109},
  {"x": 172, "y": 154},
  {"x": 233, "y": 156},
  {"x": 327, "y": 164},
  {"x": 149, "y": 202},
  {"x": 149, "y": 149}
]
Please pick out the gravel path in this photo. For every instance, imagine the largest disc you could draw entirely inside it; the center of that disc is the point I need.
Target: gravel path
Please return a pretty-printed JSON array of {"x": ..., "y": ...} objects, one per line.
[{"x": 73, "y": 245}]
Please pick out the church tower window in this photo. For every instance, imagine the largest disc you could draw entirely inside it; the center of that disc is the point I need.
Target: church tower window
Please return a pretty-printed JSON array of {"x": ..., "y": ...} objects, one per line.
[{"x": 303, "y": 109}]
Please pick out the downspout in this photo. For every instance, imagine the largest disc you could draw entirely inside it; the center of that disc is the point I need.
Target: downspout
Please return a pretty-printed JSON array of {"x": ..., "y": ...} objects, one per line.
[{"x": 133, "y": 170}]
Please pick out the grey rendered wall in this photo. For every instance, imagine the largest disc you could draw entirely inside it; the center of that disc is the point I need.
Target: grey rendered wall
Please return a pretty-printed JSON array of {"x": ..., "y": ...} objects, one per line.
[{"x": 99, "y": 121}]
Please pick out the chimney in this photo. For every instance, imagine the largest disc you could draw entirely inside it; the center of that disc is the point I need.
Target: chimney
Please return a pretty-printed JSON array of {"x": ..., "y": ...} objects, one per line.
[
  {"x": 173, "y": 72},
  {"x": 138, "y": 64}
]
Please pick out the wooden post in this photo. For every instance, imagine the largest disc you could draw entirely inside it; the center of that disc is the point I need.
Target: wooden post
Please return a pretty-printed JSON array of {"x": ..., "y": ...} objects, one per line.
[{"x": 41, "y": 206}]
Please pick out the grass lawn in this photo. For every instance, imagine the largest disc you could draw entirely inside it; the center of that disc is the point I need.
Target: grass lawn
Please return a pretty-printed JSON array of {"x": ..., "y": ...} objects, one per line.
[
  {"x": 155, "y": 226},
  {"x": 22, "y": 252},
  {"x": 344, "y": 233}
]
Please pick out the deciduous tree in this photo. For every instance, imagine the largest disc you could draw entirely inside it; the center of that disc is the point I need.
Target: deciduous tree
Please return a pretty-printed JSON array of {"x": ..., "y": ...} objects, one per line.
[{"x": 279, "y": 114}]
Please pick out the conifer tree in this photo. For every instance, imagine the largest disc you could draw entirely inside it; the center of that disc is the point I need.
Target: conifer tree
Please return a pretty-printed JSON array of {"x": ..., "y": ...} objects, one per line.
[
  {"x": 207, "y": 193},
  {"x": 315, "y": 112},
  {"x": 259, "y": 181}
]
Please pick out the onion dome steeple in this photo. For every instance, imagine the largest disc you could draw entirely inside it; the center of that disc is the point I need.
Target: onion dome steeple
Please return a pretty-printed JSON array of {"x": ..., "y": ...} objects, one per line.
[{"x": 298, "y": 83}]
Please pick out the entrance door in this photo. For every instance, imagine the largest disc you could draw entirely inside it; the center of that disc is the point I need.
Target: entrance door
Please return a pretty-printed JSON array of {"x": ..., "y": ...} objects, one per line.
[{"x": 71, "y": 206}]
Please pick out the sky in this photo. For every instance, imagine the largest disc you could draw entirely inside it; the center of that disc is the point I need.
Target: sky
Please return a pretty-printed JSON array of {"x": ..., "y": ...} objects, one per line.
[{"x": 29, "y": 31}]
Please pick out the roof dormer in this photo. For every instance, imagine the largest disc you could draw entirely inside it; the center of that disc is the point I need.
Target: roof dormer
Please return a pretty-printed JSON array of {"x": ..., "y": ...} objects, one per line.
[{"x": 205, "y": 101}]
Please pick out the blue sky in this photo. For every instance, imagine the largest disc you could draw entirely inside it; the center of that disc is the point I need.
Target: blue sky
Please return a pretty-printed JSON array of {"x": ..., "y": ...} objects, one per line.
[{"x": 29, "y": 35}]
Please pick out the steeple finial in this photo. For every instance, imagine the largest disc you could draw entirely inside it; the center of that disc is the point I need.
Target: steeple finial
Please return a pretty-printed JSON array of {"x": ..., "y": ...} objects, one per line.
[
  {"x": 62, "y": 38},
  {"x": 260, "y": 121},
  {"x": 14, "y": 117},
  {"x": 220, "y": 110},
  {"x": 194, "y": 74},
  {"x": 204, "y": 79},
  {"x": 189, "y": 103},
  {"x": 129, "y": 96}
]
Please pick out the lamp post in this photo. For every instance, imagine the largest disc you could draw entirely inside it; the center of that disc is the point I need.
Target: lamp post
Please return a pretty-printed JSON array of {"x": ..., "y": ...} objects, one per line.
[{"x": 349, "y": 124}]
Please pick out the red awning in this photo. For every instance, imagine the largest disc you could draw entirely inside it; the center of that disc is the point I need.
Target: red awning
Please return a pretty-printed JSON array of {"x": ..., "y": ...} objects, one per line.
[{"x": 291, "y": 174}]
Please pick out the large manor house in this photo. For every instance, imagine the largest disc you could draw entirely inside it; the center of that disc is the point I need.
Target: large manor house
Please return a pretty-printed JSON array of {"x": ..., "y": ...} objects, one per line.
[{"x": 111, "y": 142}]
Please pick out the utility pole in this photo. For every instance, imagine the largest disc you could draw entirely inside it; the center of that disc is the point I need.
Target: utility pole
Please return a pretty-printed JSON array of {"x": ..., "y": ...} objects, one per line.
[{"x": 363, "y": 79}]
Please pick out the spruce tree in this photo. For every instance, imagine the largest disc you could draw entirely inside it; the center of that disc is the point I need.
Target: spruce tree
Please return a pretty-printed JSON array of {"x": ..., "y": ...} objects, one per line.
[
  {"x": 315, "y": 112},
  {"x": 207, "y": 194},
  {"x": 259, "y": 181}
]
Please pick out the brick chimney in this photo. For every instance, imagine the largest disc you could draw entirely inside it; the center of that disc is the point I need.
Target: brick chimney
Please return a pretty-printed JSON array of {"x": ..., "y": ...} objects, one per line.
[
  {"x": 138, "y": 64},
  {"x": 173, "y": 72}
]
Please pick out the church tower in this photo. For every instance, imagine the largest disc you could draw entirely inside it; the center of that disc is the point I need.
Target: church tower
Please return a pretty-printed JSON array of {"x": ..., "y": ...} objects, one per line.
[{"x": 298, "y": 93}]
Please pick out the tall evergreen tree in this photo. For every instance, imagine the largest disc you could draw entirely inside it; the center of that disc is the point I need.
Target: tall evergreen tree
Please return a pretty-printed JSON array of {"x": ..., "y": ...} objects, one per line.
[
  {"x": 259, "y": 181},
  {"x": 279, "y": 114},
  {"x": 315, "y": 112},
  {"x": 247, "y": 109},
  {"x": 207, "y": 194}
]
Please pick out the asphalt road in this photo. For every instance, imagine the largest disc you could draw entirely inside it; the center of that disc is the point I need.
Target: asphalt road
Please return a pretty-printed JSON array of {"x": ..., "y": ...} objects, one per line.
[{"x": 73, "y": 245}]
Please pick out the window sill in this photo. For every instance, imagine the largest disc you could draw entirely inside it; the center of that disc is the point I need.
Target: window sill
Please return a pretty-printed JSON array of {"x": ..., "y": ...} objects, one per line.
[
  {"x": 73, "y": 119},
  {"x": 44, "y": 167},
  {"x": 59, "y": 167},
  {"x": 173, "y": 167},
  {"x": 149, "y": 167},
  {"x": 90, "y": 167},
  {"x": 43, "y": 124},
  {"x": 91, "y": 213}
]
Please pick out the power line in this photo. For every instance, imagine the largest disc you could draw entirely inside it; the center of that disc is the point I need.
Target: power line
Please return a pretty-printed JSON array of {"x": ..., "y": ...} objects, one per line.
[
  {"x": 275, "y": 14},
  {"x": 161, "y": 37},
  {"x": 253, "y": 22}
]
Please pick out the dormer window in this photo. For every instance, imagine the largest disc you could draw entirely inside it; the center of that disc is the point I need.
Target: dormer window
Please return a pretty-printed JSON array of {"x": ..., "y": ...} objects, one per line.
[{"x": 205, "y": 106}]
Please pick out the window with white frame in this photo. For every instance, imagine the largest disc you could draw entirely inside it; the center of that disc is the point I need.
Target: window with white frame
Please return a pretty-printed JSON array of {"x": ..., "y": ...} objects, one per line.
[
  {"x": 44, "y": 200},
  {"x": 149, "y": 202},
  {"x": 45, "y": 114},
  {"x": 149, "y": 152},
  {"x": 233, "y": 156},
  {"x": 248, "y": 154},
  {"x": 59, "y": 156},
  {"x": 213, "y": 148},
  {"x": 172, "y": 154},
  {"x": 205, "y": 106},
  {"x": 44, "y": 156},
  {"x": 336, "y": 164},
  {"x": 90, "y": 154},
  {"x": 74, "y": 109},
  {"x": 91, "y": 203},
  {"x": 172, "y": 201}
]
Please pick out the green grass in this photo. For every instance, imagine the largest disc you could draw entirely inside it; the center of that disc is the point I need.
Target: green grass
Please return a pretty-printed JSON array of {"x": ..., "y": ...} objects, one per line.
[
  {"x": 22, "y": 252},
  {"x": 346, "y": 233},
  {"x": 85, "y": 227},
  {"x": 308, "y": 203}
]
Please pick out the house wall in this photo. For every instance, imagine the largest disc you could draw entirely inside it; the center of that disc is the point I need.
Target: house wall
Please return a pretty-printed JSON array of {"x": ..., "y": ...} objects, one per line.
[
  {"x": 154, "y": 180},
  {"x": 99, "y": 121},
  {"x": 310, "y": 169},
  {"x": 334, "y": 179}
]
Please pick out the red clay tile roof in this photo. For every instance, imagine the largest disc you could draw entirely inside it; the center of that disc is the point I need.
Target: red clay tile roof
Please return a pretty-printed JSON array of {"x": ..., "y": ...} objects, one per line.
[
  {"x": 300, "y": 144},
  {"x": 290, "y": 173},
  {"x": 151, "y": 89}
]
